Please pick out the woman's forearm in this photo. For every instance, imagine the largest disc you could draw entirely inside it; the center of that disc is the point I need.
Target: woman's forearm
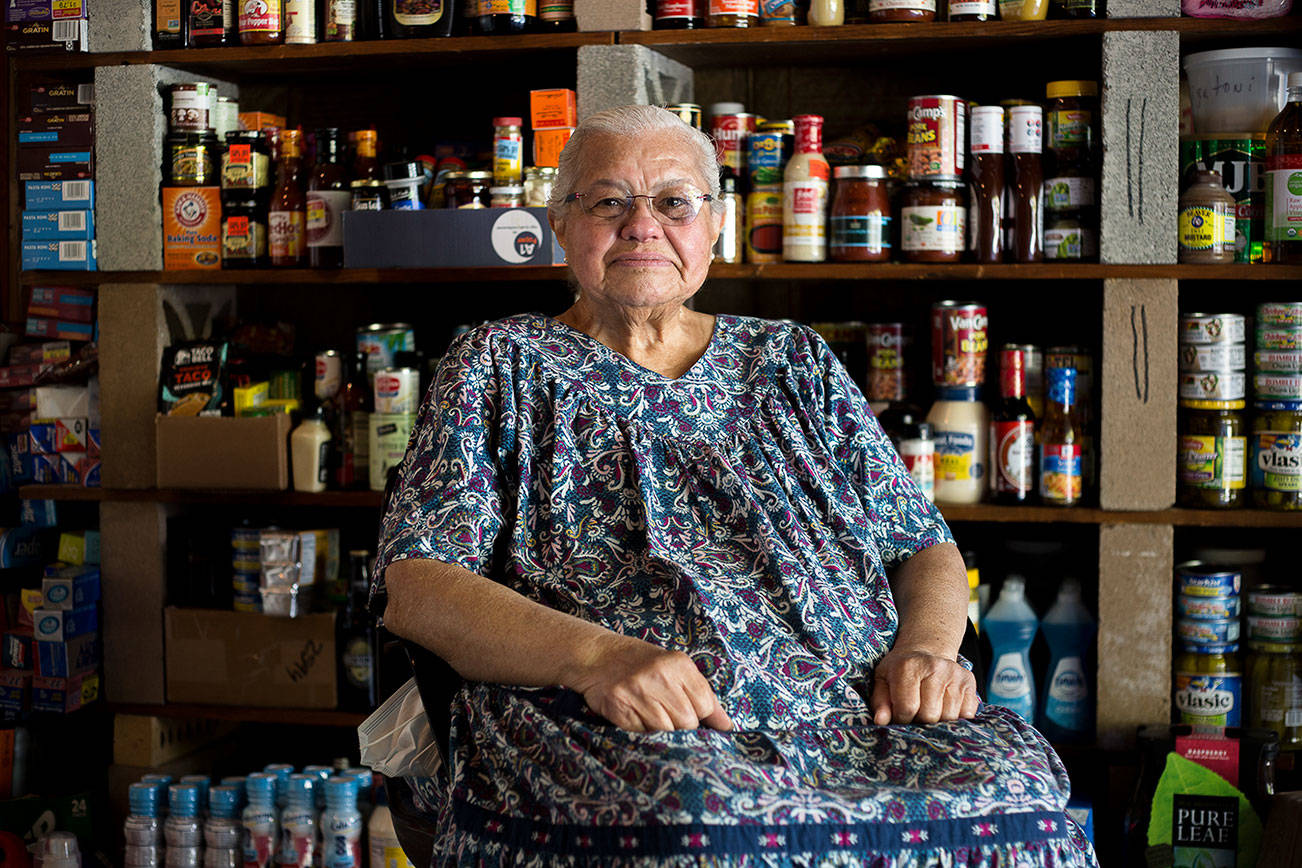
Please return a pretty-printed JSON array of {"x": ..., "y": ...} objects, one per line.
[{"x": 931, "y": 596}]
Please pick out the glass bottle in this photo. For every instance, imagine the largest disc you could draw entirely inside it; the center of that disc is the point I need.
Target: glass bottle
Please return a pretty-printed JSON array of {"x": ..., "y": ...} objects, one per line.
[
  {"x": 1076, "y": 9},
  {"x": 414, "y": 19},
  {"x": 508, "y": 151},
  {"x": 1012, "y": 432},
  {"x": 286, "y": 234},
  {"x": 1024, "y": 239},
  {"x": 169, "y": 29},
  {"x": 728, "y": 247},
  {"x": 356, "y": 639},
  {"x": 353, "y": 469},
  {"x": 556, "y": 16},
  {"x": 328, "y": 196},
  {"x": 309, "y": 447},
  {"x": 209, "y": 23},
  {"x": 826, "y": 13},
  {"x": 972, "y": 10},
  {"x": 368, "y": 191},
  {"x": 262, "y": 22},
  {"x": 501, "y": 17},
  {"x": 679, "y": 14},
  {"x": 804, "y": 195},
  {"x": 1283, "y": 242},
  {"x": 986, "y": 184},
  {"x": 1061, "y": 455},
  {"x": 340, "y": 21},
  {"x": 732, "y": 13}
]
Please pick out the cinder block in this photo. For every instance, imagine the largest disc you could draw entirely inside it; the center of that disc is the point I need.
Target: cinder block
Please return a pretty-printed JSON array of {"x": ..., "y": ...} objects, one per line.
[
  {"x": 121, "y": 25},
  {"x": 130, "y": 126},
  {"x": 134, "y": 591},
  {"x": 1134, "y": 677},
  {"x": 611, "y": 15},
  {"x": 1138, "y": 416},
  {"x": 616, "y": 75},
  {"x": 1143, "y": 8},
  {"x": 1141, "y": 144}
]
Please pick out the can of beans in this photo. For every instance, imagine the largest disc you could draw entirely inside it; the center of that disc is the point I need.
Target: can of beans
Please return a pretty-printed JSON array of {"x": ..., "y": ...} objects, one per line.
[
  {"x": 959, "y": 340},
  {"x": 730, "y": 132},
  {"x": 1197, "y": 579},
  {"x": 767, "y": 152},
  {"x": 690, "y": 112},
  {"x": 1213, "y": 357},
  {"x": 396, "y": 390},
  {"x": 1274, "y": 601},
  {"x": 1277, "y": 387},
  {"x": 1212, "y": 328},
  {"x": 1279, "y": 361},
  {"x": 764, "y": 225},
  {"x": 1213, "y": 386},
  {"x": 192, "y": 107},
  {"x": 1287, "y": 338},
  {"x": 329, "y": 377},
  {"x": 937, "y": 137},
  {"x": 380, "y": 341},
  {"x": 886, "y": 361},
  {"x": 1280, "y": 313}
]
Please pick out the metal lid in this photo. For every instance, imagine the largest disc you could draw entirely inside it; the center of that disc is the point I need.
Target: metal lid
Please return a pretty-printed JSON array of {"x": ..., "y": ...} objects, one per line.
[
  {"x": 1060, "y": 89},
  {"x": 875, "y": 173}
]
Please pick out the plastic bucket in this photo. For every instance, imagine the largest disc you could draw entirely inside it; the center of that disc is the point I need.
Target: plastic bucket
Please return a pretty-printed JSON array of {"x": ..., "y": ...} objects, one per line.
[{"x": 1239, "y": 89}]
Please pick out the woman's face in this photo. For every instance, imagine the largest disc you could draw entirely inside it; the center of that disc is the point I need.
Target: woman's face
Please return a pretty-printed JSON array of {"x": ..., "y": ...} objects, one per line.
[{"x": 635, "y": 260}]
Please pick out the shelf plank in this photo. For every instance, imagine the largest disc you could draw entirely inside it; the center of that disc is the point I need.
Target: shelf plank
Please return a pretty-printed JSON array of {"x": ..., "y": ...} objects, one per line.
[
  {"x": 60, "y": 492},
  {"x": 326, "y": 499},
  {"x": 242, "y": 714}
]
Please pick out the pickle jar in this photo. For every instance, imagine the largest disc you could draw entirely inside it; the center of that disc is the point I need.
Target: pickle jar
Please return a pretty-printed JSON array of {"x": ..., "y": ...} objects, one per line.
[
  {"x": 1213, "y": 455},
  {"x": 246, "y": 164},
  {"x": 1276, "y": 462},
  {"x": 1209, "y": 685},
  {"x": 191, "y": 160},
  {"x": 1275, "y": 690}
]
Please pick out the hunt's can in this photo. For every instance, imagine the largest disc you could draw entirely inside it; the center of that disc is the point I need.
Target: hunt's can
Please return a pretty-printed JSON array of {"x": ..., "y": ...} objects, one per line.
[
  {"x": 329, "y": 375},
  {"x": 380, "y": 341},
  {"x": 690, "y": 112},
  {"x": 1197, "y": 579},
  {"x": 1212, "y": 328},
  {"x": 937, "y": 137},
  {"x": 397, "y": 390},
  {"x": 764, "y": 225},
  {"x": 767, "y": 152},
  {"x": 886, "y": 361},
  {"x": 729, "y": 132},
  {"x": 959, "y": 340},
  {"x": 1240, "y": 160}
]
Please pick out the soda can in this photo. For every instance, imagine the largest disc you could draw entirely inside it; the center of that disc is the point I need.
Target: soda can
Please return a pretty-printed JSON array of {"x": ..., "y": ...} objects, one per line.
[
  {"x": 329, "y": 375},
  {"x": 1197, "y": 579},
  {"x": 1212, "y": 328},
  {"x": 729, "y": 132},
  {"x": 764, "y": 225},
  {"x": 886, "y": 344},
  {"x": 380, "y": 341},
  {"x": 959, "y": 339},
  {"x": 397, "y": 390},
  {"x": 937, "y": 137}
]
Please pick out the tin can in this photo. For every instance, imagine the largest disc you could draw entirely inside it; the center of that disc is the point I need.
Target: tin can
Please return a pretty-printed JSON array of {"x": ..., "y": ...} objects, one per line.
[
  {"x": 1279, "y": 338},
  {"x": 396, "y": 390},
  {"x": 1207, "y": 631},
  {"x": 1274, "y": 601},
  {"x": 1277, "y": 387},
  {"x": 1266, "y": 628},
  {"x": 959, "y": 341},
  {"x": 329, "y": 375},
  {"x": 1207, "y": 608},
  {"x": 380, "y": 341},
  {"x": 690, "y": 112},
  {"x": 387, "y": 439},
  {"x": 1213, "y": 386},
  {"x": 1240, "y": 160},
  {"x": 1196, "y": 579},
  {"x": 1280, "y": 313},
  {"x": 886, "y": 342},
  {"x": 1212, "y": 328},
  {"x": 937, "y": 137},
  {"x": 192, "y": 107},
  {"x": 1213, "y": 357},
  {"x": 730, "y": 132},
  {"x": 1279, "y": 361},
  {"x": 767, "y": 152},
  {"x": 764, "y": 225}
]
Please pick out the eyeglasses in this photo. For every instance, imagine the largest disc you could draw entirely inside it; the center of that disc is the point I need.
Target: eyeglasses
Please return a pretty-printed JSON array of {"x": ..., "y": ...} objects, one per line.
[{"x": 670, "y": 207}]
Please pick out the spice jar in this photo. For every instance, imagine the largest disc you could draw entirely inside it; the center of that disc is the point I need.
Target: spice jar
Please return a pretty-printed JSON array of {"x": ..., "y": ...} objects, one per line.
[
  {"x": 933, "y": 221},
  {"x": 861, "y": 215},
  {"x": 1207, "y": 220},
  {"x": 246, "y": 162},
  {"x": 192, "y": 159},
  {"x": 538, "y": 183},
  {"x": 1213, "y": 455},
  {"x": 1274, "y": 692},
  {"x": 244, "y": 234},
  {"x": 506, "y": 197},
  {"x": 508, "y": 151},
  {"x": 887, "y": 11},
  {"x": 1276, "y": 463},
  {"x": 733, "y": 13}
]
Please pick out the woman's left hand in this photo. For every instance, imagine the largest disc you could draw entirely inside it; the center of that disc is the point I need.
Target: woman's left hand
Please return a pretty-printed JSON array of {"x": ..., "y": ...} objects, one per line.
[{"x": 918, "y": 687}]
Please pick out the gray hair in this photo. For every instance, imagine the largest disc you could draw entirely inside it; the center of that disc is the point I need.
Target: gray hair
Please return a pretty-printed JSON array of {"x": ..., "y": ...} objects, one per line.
[{"x": 626, "y": 122}]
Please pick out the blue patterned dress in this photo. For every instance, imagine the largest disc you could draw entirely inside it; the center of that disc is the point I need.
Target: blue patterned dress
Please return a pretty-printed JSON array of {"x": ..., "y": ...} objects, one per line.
[{"x": 746, "y": 513}]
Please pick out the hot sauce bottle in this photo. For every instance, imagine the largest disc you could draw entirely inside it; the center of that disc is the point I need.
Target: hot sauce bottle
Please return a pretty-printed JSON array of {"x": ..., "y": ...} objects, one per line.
[
  {"x": 1025, "y": 236},
  {"x": 287, "y": 217},
  {"x": 1012, "y": 432}
]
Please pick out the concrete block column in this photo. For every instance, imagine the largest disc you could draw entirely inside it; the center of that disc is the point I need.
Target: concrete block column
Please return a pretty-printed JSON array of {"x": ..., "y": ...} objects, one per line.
[
  {"x": 1143, "y": 8},
  {"x": 121, "y": 25},
  {"x": 134, "y": 592},
  {"x": 615, "y": 75},
  {"x": 1141, "y": 147},
  {"x": 1134, "y": 672},
  {"x": 611, "y": 15}
]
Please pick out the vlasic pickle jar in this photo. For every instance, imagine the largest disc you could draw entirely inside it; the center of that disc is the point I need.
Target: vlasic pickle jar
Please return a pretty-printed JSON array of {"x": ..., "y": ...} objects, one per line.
[
  {"x": 1209, "y": 685},
  {"x": 1275, "y": 690},
  {"x": 1276, "y": 464}
]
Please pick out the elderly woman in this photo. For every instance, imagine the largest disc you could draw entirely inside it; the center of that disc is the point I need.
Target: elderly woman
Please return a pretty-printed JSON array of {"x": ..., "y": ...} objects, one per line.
[{"x": 657, "y": 545}]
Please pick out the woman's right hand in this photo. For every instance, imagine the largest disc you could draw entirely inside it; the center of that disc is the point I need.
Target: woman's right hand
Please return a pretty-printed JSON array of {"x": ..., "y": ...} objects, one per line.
[{"x": 641, "y": 687}]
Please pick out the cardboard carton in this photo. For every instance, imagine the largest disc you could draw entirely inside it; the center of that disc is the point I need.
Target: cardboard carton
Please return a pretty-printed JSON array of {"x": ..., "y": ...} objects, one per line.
[
  {"x": 441, "y": 238},
  {"x": 222, "y": 452}
]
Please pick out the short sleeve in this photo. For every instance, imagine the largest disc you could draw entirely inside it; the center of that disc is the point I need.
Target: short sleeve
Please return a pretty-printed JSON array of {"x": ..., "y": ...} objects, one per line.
[
  {"x": 447, "y": 502},
  {"x": 905, "y": 521}
]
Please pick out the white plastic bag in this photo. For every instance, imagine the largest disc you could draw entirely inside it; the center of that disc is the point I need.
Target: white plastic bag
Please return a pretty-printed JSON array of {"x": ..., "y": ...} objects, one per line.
[{"x": 396, "y": 740}]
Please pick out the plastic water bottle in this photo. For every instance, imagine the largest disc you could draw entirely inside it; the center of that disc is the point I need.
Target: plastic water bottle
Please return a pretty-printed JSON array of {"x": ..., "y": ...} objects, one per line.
[
  {"x": 342, "y": 824},
  {"x": 221, "y": 834},
  {"x": 58, "y": 850},
  {"x": 1010, "y": 624},
  {"x": 261, "y": 821},
  {"x": 385, "y": 848},
  {"x": 298, "y": 837},
  {"x": 181, "y": 829},
  {"x": 143, "y": 831},
  {"x": 282, "y": 771},
  {"x": 203, "y": 782},
  {"x": 237, "y": 781},
  {"x": 160, "y": 783},
  {"x": 1067, "y": 710}
]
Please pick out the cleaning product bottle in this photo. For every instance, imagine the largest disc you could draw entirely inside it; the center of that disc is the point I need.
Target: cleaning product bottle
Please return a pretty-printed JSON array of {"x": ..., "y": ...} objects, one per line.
[
  {"x": 1067, "y": 709},
  {"x": 386, "y": 851},
  {"x": 1011, "y": 624}
]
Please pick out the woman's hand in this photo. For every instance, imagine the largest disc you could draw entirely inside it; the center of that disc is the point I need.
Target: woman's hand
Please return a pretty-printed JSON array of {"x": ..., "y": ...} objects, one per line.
[
  {"x": 640, "y": 687},
  {"x": 918, "y": 687}
]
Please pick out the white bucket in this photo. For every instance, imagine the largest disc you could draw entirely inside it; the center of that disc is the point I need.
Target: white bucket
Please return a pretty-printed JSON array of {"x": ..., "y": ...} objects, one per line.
[{"x": 1239, "y": 90}]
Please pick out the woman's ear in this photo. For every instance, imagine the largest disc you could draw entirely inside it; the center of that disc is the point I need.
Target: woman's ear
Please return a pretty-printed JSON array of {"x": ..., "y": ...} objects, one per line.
[{"x": 558, "y": 228}]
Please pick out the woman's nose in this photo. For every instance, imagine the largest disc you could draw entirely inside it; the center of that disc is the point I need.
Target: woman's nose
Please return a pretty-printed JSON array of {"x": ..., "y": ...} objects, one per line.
[{"x": 640, "y": 222}]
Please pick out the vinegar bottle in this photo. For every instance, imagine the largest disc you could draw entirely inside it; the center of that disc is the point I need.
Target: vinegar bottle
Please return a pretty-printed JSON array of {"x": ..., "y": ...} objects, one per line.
[
  {"x": 1283, "y": 240},
  {"x": 804, "y": 195}
]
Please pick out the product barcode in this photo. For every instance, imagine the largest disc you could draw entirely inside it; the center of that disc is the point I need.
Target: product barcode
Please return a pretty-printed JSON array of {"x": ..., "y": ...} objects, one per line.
[
  {"x": 72, "y": 221},
  {"x": 72, "y": 251},
  {"x": 76, "y": 191},
  {"x": 67, "y": 31}
]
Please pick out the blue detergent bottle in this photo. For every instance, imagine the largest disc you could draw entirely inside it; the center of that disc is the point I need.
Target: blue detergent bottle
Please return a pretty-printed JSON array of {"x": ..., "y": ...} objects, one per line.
[
  {"x": 1067, "y": 709},
  {"x": 1011, "y": 624}
]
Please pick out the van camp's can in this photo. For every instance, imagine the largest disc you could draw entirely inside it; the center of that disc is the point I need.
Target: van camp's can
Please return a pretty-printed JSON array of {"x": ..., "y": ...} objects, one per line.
[
  {"x": 329, "y": 377},
  {"x": 959, "y": 340},
  {"x": 379, "y": 342},
  {"x": 1196, "y": 579},
  {"x": 396, "y": 390},
  {"x": 1213, "y": 357},
  {"x": 388, "y": 436},
  {"x": 937, "y": 137},
  {"x": 1212, "y": 328}
]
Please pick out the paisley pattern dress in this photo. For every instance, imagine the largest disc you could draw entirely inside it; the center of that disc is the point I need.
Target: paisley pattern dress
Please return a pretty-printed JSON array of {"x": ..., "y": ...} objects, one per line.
[{"x": 747, "y": 514}]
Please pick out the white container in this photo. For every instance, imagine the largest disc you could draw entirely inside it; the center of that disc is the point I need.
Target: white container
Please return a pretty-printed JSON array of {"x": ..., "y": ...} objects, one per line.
[
  {"x": 1236, "y": 90},
  {"x": 308, "y": 449},
  {"x": 961, "y": 428}
]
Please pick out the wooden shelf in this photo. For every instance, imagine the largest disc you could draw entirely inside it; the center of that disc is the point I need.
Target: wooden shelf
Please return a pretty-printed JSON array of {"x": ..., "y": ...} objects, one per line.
[
  {"x": 992, "y": 513},
  {"x": 326, "y": 499},
  {"x": 301, "y": 276},
  {"x": 295, "y": 716}
]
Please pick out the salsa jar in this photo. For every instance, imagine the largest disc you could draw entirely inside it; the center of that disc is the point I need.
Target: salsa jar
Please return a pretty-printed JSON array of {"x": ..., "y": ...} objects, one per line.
[
  {"x": 1276, "y": 465},
  {"x": 861, "y": 215},
  {"x": 246, "y": 162},
  {"x": 933, "y": 221},
  {"x": 1213, "y": 456},
  {"x": 192, "y": 159},
  {"x": 244, "y": 234},
  {"x": 888, "y": 11},
  {"x": 733, "y": 13}
]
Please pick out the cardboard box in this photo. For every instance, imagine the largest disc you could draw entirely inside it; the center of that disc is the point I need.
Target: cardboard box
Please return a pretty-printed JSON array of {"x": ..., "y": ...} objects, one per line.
[
  {"x": 548, "y": 144},
  {"x": 64, "y": 695},
  {"x": 61, "y": 302},
  {"x": 222, "y": 452},
  {"x": 18, "y": 652},
  {"x": 66, "y": 131},
  {"x": 551, "y": 109},
  {"x": 92, "y": 442},
  {"x": 449, "y": 238},
  {"x": 62, "y": 402},
  {"x": 69, "y": 35},
  {"x": 70, "y": 587},
  {"x": 192, "y": 228},
  {"x": 42, "y": 327},
  {"x": 58, "y": 256},
  {"x": 80, "y": 549},
  {"x": 63, "y": 468},
  {"x": 15, "y": 691},
  {"x": 46, "y": 163},
  {"x": 59, "y": 225},
  {"x": 45, "y": 353},
  {"x": 20, "y": 457},
  {"x": 65, "y": 659},
  {"x": 261, "y": 121},
  {"x": 90, "y": 469},
  {"x": 240, "y": 658},
  {"x": 60, "y": 96},
  {"x": 148, "y": 742},
  {"x": 17, "y": 376},
  {"x": 16, "y": 422},
  {"x": 20, "y": 11},
  {"x": 60, "y": 625},
  {"x": 39, "y": 513},
  {"x": 58, "y": 195}
]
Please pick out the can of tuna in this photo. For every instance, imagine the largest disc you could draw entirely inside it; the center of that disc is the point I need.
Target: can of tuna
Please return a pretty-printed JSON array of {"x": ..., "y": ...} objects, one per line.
[
  {"x": 1277, "y": 387},
  {"x": 1279, "y": 361},
  {"x": 1274, "y": 601},
  {"x": 1213, "y": 386},
  {"x": 1197, "y": 579},
  {"x": 396, "y": 390},
  {"x": 885, "y": 361},
  {"x": 329, "y": 375},
  {"x": 1279, "y": 313},
  {"x": 1213, "y": 357},
  {"x": 1263, "y": 628},
  {"x": 1212, "y": 328},
  {"x": 937, "y": 137},
  {"x": 380, "y": 341},
  {"x": 388, "y": 435},
  {"x": 1219, "y": 631},
  {"x": 1207, "y": 608},
  {"x": 959, "y": 341},
  {"x": 1279, "y": 338}
]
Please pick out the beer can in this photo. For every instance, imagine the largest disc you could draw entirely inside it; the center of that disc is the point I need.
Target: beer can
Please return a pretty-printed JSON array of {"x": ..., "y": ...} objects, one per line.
[
  {"x": 396, "y": 390},
  {"x": 690, "y": 112},
  {"x": 886, "y": 343},
  {"x": 730, "y": 132},
  {"x": 380, "y": 341},
  {"x": 329, "y": 375},
  {"x": 937, "y": 137},
  {"x": 959, "y": 340},
  {"x": 764, "y": 225}
]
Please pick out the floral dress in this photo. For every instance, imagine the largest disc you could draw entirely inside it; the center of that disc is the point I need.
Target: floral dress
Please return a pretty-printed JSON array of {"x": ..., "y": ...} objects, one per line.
[{"x": 747, "y": 514}]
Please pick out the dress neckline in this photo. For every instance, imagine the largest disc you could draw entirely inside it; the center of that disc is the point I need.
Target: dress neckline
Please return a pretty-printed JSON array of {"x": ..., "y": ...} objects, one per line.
[{"x": 693, "y": 373}]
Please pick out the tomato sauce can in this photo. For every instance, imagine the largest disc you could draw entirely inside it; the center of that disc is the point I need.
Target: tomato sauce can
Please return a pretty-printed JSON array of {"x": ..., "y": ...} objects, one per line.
[
  {"x": 329, "y": 377},
  {"x": 937, "y": 137},
  {"x": 764, "y": 225},
  {"x": 730, "y": 132},
  {"x": 396, "y": 390},
  {"x": 380, "y": 341},
  {"x": 886, "y": 343},
  {"x": 959, "y": 340}
]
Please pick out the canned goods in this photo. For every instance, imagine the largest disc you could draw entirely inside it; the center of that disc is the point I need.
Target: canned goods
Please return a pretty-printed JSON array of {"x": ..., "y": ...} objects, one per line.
[
  {"x": 1277, "y": 387},
  {"x": 690, "y": 112},
  {"x": 767, "y": 153},
  {"x": 192, "y": 107},
  {"x": 1212, "y": 328},
  {"x": 1280, "y": 361},
  {"x": 730, "y": 132},
  {"x": 1209, "y": 700},
  {"x": 1211, "y": 386},
  {"x": 937, "y": 137},
  {"x": 1274, "y": 601},
  {"x": 1207, "y": 608},
  {"x": 380, "y": 341},
  {"x": 1279, "y": 338},
  {"x": 1213, "y": 357},
  {"x": 1219, "y": 631},
  {"x": 387, "y": 436},
  {"x": 329, "y": 377},
  {"x": 959, "y": 340},
  {"x": 1275, "y": 690},
  {"x": 1279, "y": 313},
  {"x": 1265, "y": 628},
  {"x": 1197, "y": 579},
  {"x": 397, "y": 390},
  {"x": 764, "y": 225},
  {"x": 886, "y": 361}
]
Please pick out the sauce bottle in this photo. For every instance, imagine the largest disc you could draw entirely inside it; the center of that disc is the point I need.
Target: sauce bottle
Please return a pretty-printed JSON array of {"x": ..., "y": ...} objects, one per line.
[
  {"x": 985, "y": 218},
  {"x": 679, "y": 14},
  {"x": 309, "y": 447},
  {"x": 1012, "y": 432},
  {"x": 1061, "y": 454},
  {"x": 913, "y": 439},
  {"x": 169, "y": 31},
  {"x": 804, "y": 195},
  {"x": 972, "y": 10},
  {"x": 826, "y": 13},
  {"x": 328, "y": 196},
  {"x": 733, "y": 13},
  {"x": 1207, "y": 220},
  {"x": 730, "y": 243},
  {"x": 414, "y": 19},
  {"x": 211, "y": 23},
  {"x": 1283, "y": 242},
  {"x": 262, "y": 22},
  {"x": 286, "y": 232},
  {"x": 339, "y": 21},
  {"x": 1025, "y": 237},
  {"x": 498, "y": 17}
]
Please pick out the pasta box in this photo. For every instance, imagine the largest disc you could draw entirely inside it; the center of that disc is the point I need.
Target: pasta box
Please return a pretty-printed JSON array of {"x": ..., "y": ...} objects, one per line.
[
  {"x": 59, "y": 195},
  {"x": 59, "y": 256},
  {"x": 449, "y": 238},
  {"x": 70, "y": 225}
]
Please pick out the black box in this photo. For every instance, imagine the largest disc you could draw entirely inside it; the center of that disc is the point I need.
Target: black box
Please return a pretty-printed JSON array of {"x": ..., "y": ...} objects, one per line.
[{"x": 449, "y": 238}]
